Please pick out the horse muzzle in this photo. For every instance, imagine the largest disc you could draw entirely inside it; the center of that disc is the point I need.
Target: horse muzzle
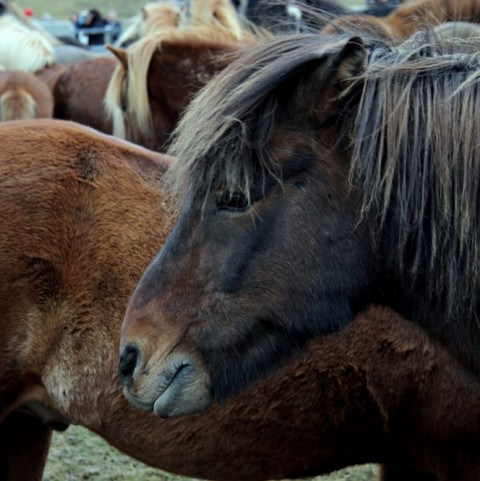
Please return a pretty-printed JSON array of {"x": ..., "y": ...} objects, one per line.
[{"x": 175, "y": 386}]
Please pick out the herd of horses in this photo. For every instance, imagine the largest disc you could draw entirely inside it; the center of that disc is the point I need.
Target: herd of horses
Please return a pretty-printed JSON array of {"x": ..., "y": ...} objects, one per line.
[{"x": 309, "y": 200}]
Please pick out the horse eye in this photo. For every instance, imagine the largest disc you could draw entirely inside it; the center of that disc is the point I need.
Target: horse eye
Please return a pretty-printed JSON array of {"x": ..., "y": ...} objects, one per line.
[{"x": 235, "y": 202}]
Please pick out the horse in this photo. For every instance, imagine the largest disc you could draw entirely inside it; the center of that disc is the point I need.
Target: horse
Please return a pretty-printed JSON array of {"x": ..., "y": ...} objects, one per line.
[
  {"x": 311, "y": 179},
  {"x": 82, "y": 212},
  {"x": 23, "y": 96},
  {"x": 79, "y": 90},
  {"x": 156, "y": 18},
  {"x": 420, "y": 14},
  {"x": 157, "y": 76},
  {"x": 22, "y": 48}
]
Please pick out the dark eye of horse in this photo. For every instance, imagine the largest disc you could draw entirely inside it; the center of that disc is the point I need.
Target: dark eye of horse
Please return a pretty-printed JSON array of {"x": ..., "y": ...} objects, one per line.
[{"x": 235, "y": 202}]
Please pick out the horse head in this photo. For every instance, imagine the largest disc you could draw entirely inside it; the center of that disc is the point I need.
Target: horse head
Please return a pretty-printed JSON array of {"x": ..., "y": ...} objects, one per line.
[{"x": 221, "y": 305}]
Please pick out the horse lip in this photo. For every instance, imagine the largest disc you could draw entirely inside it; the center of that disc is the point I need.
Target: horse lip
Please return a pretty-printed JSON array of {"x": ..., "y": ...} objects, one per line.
[{"x": 173, "y": 378}]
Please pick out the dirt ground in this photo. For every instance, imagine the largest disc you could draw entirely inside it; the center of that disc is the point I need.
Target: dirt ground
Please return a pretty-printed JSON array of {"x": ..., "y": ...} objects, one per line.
[{"x": 78, "y": 455}]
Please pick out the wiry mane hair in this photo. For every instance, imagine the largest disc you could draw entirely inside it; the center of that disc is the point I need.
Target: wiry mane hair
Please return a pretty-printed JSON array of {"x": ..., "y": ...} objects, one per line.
[{"x": 416, "y": 158}]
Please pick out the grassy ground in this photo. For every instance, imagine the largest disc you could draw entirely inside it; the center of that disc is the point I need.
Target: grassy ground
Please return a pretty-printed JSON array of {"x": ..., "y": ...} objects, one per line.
[{"x": 79, "y": 455}]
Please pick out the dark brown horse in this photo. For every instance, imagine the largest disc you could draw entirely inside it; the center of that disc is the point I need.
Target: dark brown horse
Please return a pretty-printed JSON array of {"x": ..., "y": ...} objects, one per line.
[
  {"x": 81, "y": 215},
  {"x": 311, "y": 180},
  {"x": 24, "y": 96}
]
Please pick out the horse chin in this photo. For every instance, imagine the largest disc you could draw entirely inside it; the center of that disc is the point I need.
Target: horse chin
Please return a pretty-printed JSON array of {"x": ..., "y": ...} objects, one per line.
[
  {"x": 187, "y": 392},
  {"x": 176, "y": 386}
]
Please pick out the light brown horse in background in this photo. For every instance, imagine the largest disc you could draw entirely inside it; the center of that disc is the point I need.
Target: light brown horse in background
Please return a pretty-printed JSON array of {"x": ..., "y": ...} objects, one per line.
[
  {"x": 82, "y": 214},
  {"x": 23, "y": 96},
  {"x": 409, "y": 18}
]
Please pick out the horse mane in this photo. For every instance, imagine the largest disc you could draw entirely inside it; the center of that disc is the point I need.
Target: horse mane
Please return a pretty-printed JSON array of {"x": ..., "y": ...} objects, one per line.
[
  {"x": 114, "y": 100},
  {"x": 417, "y": 159},
  {"x": 415, "y": 155},
  {"x": 25, "y": 49},
  {"x": 17, "y": 105},
  {"x": 359, "y": 25},
  {"x": 215, "y": 14},
  {"x": 154, "y": 17}
]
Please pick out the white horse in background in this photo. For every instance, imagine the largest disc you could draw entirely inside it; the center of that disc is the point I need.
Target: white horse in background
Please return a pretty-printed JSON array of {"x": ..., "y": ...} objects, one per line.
[{"x": 22, "y": 48}]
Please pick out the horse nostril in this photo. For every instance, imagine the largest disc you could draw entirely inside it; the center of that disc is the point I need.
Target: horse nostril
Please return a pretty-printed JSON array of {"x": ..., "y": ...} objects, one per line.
[{"x": 128, "y": 362}]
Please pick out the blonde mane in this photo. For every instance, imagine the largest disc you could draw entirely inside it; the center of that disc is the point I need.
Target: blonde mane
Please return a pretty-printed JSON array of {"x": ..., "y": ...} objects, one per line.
[
  {"x": 127, "y": 93},
  {"x": 113, "y": 102},
  {"x": 154, "y": 17},
  {"x": 22, "y": 48}
]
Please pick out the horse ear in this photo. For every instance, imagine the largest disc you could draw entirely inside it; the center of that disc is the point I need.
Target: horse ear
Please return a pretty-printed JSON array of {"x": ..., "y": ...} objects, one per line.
[
  {"x": 350, "y": 62},
  {"x": 120, "y": 53},
  {"x": 144, "y": 13},
  {"x": 329, "y": 80}
]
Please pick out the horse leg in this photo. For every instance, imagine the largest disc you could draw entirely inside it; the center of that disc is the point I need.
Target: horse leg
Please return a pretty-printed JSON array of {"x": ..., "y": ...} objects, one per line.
[
  {"x": 24, "y": 445},
  {"x": 400, "y": 472}
]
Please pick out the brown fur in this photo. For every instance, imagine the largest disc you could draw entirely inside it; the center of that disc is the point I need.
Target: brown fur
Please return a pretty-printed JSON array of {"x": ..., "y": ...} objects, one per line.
[
  {"x": 79, "y": 92},
  {"x": 80, "y": 221},
  {"x": 23, "y": 96},
  {"x": 51, "y": 74}
]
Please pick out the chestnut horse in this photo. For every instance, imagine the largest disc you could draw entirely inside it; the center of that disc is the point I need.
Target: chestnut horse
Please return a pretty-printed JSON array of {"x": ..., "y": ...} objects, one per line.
[
  {"x": 81, "y": 215},
  {"x": 23, "y": 96},
  {"x": 311, "y": 179}
]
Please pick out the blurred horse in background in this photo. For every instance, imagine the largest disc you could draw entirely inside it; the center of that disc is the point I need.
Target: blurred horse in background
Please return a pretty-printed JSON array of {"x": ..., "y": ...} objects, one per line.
[
  {"x": 24, "y": 96},
  {"x": 154, "y": 17},
  {"x": 79, "y": 91},
  {"x": 22, "y": 48},
  {"x": 158, "y": 75},
  {"x": 156, "y": 79}
]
